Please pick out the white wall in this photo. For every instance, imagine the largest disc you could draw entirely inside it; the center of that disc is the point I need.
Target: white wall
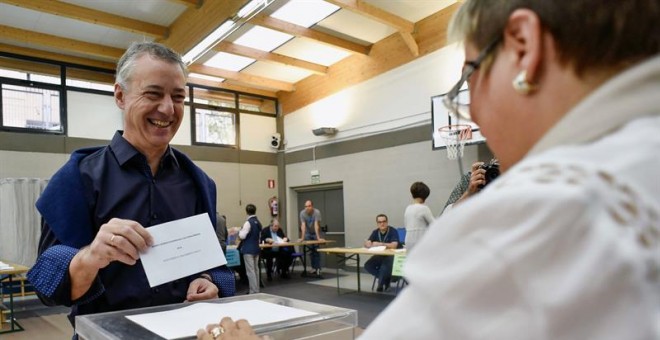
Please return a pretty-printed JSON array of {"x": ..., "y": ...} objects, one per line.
[
  {"x": 92, "y": 115},
  {"x": 379, "y": 181},
  {"x": 239, "y": 185},
  {"x": 15, "y": 164},
  {"x": 256, "y": 132},
  {"x": 398, "y": 98}
]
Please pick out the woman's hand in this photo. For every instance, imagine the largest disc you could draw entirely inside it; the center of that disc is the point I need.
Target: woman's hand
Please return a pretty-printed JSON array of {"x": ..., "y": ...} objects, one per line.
[{"x": 228, "y": 329}]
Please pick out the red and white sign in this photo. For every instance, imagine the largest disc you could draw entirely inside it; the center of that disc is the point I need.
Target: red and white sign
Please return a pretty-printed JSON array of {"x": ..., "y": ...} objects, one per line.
[{"x": 271, "y": 184}]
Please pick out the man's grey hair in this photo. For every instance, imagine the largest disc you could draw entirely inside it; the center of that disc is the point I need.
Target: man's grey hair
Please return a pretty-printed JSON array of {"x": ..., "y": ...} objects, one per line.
[{"x": 137, "y": 49}]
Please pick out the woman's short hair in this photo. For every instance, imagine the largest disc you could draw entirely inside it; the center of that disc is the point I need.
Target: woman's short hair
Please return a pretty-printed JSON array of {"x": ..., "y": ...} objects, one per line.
[
  {"x": 420, "y": 190},
  {"x": 589, "y": 34}
]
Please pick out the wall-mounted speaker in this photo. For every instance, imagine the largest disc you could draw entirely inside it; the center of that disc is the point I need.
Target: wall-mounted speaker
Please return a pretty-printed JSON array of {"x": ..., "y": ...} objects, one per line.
[{"x": 275, "y": 140}]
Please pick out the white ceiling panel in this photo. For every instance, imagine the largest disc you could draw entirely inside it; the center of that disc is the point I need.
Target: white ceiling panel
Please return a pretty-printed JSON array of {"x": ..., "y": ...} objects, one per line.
[
  {"x": 18, "y": 17},
  {"x": 340, "y": 23},
  {"x": 4, "y": 40},
  {"x": 205, "y": 77},
  {"x": 76, "y": 30},
  {"x": 262, "y": 38},
  {"x": 277, "y": 71},
  {"x": 64, "y": 27},
  {"x": 304, "y": 12},
  {"x": 153, "y": 11},
  {"x": 411, "y": 10},
  {"x": 357, "y": 26},
  {"x": 312, "y": 51},
  {"x": 228, "y": 61}
]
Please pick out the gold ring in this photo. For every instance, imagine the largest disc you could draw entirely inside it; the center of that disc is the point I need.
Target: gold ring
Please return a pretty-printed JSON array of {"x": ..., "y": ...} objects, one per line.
[
  {"x": 217, "y": 331},
  {"x": 112, "y": 240}
]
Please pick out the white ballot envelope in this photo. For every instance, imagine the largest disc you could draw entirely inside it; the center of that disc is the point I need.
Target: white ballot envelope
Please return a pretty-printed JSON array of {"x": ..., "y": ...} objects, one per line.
[{"x": 181, "y": 248}]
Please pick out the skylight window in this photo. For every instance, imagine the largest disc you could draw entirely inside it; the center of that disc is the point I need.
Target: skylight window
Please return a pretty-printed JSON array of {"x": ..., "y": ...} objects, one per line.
[
  {"x": 262, "y": 38},
  {"x": 205, "y": 77},
  {"x": 304, "y": 12},
  {"x": 229, "y": 62}
]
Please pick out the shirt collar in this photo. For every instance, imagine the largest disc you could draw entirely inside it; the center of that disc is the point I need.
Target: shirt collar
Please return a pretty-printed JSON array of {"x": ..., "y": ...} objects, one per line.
[
  {"x": 124, "y": 151},
  {"x": 629, "y": 95}
]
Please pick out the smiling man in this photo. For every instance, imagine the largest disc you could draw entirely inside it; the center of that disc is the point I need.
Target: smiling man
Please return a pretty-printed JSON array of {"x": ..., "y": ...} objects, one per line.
[{"x": 97, "y": 207}]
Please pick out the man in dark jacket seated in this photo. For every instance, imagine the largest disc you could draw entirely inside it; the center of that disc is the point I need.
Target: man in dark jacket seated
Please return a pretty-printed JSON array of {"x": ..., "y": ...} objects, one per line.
[
  {"x": 273, "y": 235},
  {"x": 380, "y": 266}
]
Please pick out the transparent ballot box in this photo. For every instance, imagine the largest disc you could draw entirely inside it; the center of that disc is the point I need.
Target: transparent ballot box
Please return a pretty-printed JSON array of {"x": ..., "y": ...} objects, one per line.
[{"x": 329, "y": 322}]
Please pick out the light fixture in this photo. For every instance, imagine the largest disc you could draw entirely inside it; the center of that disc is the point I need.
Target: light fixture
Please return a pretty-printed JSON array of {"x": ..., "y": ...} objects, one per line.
[
  {"x": 228, "y": 27},
  {"x": 324, "y": 131}
]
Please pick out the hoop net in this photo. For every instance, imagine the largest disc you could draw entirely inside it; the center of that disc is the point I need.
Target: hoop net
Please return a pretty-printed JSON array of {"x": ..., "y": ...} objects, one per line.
[{"x": 455, "y": 137}]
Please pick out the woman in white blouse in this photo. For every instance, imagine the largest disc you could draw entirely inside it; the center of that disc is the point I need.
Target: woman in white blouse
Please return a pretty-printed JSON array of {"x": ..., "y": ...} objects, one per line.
[{"x": 417, "y": 216}]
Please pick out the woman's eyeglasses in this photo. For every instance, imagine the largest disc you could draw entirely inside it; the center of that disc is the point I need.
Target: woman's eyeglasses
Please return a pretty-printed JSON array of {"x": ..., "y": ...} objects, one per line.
[{"x": 458, "y": 101}]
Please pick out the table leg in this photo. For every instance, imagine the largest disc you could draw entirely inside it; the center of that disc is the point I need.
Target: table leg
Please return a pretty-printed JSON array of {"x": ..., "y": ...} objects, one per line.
[
  {"x": 358, "y": 272},
  {"x": 261, "y": 281},
  {"x": 337, "y": 270},
  {"x": 304, "y": 261},
  {"x": 15, "y": 326}
]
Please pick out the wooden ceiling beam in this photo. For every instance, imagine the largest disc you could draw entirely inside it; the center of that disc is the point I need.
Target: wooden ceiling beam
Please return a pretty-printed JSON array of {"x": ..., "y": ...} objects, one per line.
[
  {"x": 190, "y": 3},
  {"x": 300, "y": 31},
  {"x": 410, "y": 41},
  {"x": 405, "y": 27},
  {"x": 387, "y": 54},
  {"x": 270, "y": 57},
  {"x": 243, "y": 78},
  {"x": 92, "y": 16},
  {"x": 60, "y": 43},
  {"x": 196, "y": 23},
  {"x": 375, "y": 13},
  {"x": 233, "y": 87},
  {"x": 56, "y": 56}
]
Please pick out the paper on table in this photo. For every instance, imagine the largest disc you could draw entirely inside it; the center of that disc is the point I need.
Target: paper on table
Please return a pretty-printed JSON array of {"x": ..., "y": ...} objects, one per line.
[
  {"x": 378, "y": 248},
  {"x": 181, "y": 248},
  {"x": 184, "y": 322}
]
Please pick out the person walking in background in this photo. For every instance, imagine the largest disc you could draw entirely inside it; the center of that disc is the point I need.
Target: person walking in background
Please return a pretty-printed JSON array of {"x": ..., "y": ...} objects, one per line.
[
  {"x": 380, "y": 266},
  {"x": 310, "y": 229},
  {"x": 417, "y": 216},
  {"x": 249, "y": 235}
]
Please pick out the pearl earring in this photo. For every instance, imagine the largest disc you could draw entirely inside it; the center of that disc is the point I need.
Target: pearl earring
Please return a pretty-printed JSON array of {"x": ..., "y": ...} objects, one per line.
[{"x": 521, "y": 85}]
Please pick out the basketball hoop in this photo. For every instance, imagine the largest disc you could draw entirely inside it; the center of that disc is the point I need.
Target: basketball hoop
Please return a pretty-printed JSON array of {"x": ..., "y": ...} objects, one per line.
[{"x": 455, "y": 137}]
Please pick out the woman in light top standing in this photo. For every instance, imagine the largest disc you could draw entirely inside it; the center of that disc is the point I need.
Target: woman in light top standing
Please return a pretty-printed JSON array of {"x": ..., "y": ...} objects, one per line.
[{"x": 417, "y": 217}]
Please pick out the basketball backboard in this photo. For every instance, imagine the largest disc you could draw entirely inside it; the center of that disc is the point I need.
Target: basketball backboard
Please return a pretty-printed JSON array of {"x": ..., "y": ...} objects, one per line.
[{"x": 441, "y": 116}]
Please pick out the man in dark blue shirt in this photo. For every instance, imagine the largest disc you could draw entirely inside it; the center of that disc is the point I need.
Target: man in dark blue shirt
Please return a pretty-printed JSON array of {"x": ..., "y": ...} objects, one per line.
[
  {"x": 96, "y": 208},
  {"x": 380, "y": 266}
]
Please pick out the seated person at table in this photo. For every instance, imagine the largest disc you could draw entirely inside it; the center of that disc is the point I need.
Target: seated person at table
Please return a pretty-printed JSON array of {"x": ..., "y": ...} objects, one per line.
[
  {"x": 380, "y": 266},
  {"x": 274, "y": 234}
]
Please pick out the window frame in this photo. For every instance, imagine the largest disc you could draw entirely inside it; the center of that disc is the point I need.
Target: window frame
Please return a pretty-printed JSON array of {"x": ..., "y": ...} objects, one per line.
[
  {"x": 235, "y": 110},
  {"x": 61, "y": 88}
]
